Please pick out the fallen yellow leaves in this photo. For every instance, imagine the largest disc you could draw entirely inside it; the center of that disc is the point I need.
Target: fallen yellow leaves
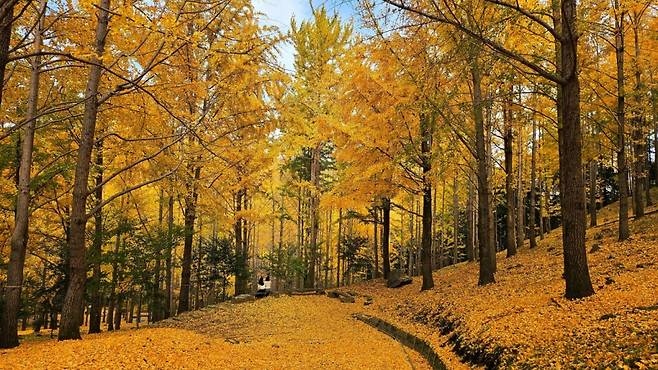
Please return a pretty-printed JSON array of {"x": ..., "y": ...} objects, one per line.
[
  {"x": 524, "y": 321},
  {"x": 272, "y": 333}
]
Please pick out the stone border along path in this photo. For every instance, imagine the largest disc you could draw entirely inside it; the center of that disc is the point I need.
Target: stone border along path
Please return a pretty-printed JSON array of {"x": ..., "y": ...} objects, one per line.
[{"x": 405, "y": 338}]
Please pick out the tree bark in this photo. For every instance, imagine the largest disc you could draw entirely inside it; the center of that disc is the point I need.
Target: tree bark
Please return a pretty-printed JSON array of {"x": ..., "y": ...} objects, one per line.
[
  {"x": 19, "y": 236},
  {"x": 533, "y": 190},
  {"x": 97, "y": 247},
  {"x": 455, "y": 221},
  {"x": 654, "y": 109},
  {"x": 169, "y": 257},
  {"x": 241, "y": 257},
  {"x": 186, "y": 265},
  {"x": 376, "y": 241},
  {"x": 592, "y": 192},
  {"x": 314, "y": 210},
  {"x": 73, "y": 301},
  {"x": 338, "y": 249},
  {"x": 508, "y": 140},
  {"x": 386, "y": 208},
  {"x": 486, "y": 274},
  {"x": 639, "y": 140},
  {"x": 578, "y": 282},
  {"x": 624, "y": 231},
  {"x": 156, "y": 296},
  {"x": 115, "y": 280},
  {"x": 520, "y": 194},
  {"x": 470, "y": 239},
  {"x": 426, "y": 160}
]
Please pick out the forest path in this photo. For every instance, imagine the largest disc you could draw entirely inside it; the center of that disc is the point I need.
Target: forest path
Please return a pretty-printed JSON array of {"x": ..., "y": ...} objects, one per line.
[{"x": 272, "y": 333}]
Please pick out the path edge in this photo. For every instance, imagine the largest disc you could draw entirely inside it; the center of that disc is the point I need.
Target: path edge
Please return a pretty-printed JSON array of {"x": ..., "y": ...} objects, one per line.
[{"x": 409, "y": 340}]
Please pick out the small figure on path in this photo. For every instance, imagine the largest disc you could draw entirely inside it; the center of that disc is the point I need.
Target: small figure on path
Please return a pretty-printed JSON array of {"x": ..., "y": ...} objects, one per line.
[
  {"x": 263, "y": 288},
  {"x": 268, "y": 284}
]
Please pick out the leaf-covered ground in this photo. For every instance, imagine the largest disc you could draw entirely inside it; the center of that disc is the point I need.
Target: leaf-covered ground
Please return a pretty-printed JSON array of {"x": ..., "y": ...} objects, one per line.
[
  {"x": 272, "y": 333},
  {"x": 524, "y": 321}
]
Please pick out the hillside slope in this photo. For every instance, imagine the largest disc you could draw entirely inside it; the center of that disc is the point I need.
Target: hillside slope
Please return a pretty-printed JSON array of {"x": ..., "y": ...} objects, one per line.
[{"x": 524, "y": 321}]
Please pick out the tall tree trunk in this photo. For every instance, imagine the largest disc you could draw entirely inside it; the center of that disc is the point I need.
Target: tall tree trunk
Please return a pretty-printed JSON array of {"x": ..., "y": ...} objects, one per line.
[
  {"x": 442, "y": 238},
  {"x": 654, "y": 110},
  {"x": 186, "y": 265},
  {"x": 73, "y": 301},
  {"x": 426, "y": 160},
  {"x": 314, "y": 210},
  {"x": 533, "y": 189},
  {"x": 169, "y": 257},
  {"x": 624, "y": 231},
  {"x": 418, "y": 258},
  {"x": 376, "y": 241},
  {"x": 156, "y": 299},
  {"x": 328, "y": 248},
  {"x": 486, "y": 275},
  {"x": 97, "y": 246},
  {"x": 115, "y": 279},
  {"x": 520, "y": 194},
  {"x": 470, "y": 223},
  {"x": 593, "y": 164},
  {"x": 508, "y": 140},
  {"x": 19, "y": 236},
  {"x": 198, "y": 298},
  {"x": 338, "y": 249},
  {"x": 119, "y": 312},
  {"x": 455, "y": 221},
  {"x": 386, "y": 208},
  {"x": 490, "y": 167},
  {"x": 241, "y": 257},
  {"x": 578, "y": 282},
  {"x": 639, "y": 140}
]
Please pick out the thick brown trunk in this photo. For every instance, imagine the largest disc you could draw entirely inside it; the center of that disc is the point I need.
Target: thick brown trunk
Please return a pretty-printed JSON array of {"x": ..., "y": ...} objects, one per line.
[
  {"x": 97, "y": 247},
  {"x": 73, "y": 301},
  {"x": 486, "y": 275},
  {"x": 578, "y": 283},
  {"x": 19, "y": 236},
  {"x": 426, "y": 243},
  {"x": 386, "y": 208}
]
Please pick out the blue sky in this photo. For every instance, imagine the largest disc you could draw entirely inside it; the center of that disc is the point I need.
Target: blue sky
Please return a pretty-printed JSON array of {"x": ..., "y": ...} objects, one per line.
[{"x": 279, "y": 12}]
